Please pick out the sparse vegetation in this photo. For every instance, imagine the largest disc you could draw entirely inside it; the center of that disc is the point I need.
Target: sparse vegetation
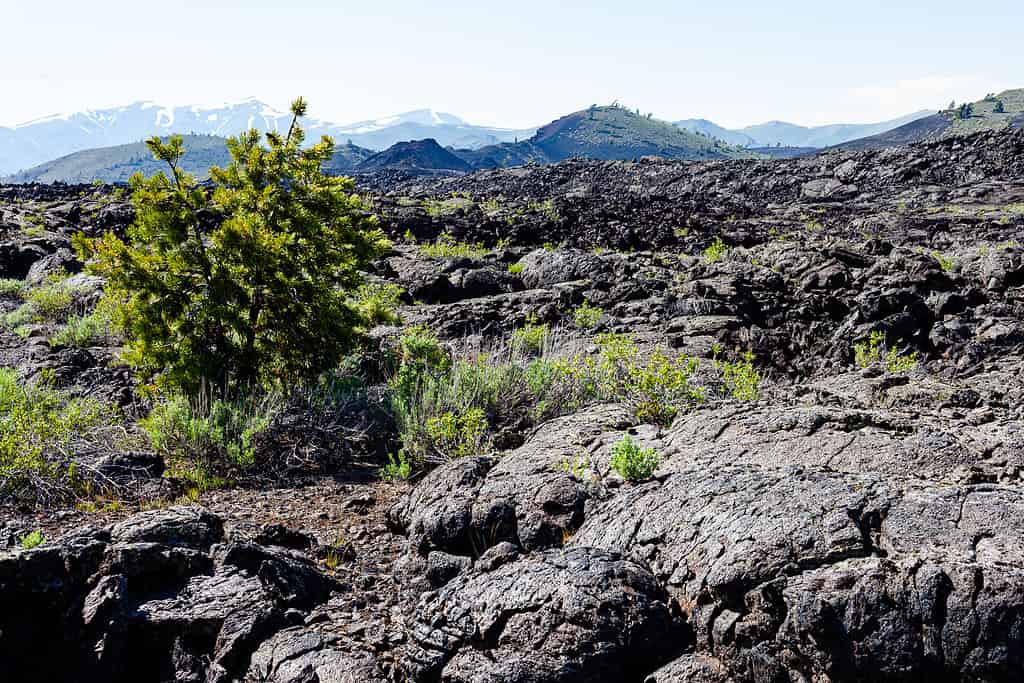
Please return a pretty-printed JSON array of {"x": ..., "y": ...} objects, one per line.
[
  {"x": 515, "y": 268},
  {"x": 446, "y": 246},
  {"x": 39, "y": 428},
  {"x": 33, "y": 539},
  {"x": 947, "y": 263},
  {"x": 742, "y": 381},
  {"x": 532, "y": 336},
  {"x": 632, "y": 462},
  {"x": 208, "y": 432},
  {"x": 716, "y": 251},
  {"x": 376, "y": 302},
  {"x": 587, "y": 316},
  {"x": 874, "y": 351}
]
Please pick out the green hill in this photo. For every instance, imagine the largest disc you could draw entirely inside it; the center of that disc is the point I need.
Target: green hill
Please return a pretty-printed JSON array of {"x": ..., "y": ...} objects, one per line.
[
  {"x": 617, "y": 133},
  {"x": 117, "y": 164},
  {"x": 605, "y": 133},
  {"x": 993, "y": 112}
]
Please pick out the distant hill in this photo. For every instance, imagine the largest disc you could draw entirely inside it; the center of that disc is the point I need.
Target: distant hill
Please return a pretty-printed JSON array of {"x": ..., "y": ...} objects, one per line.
[
  {"x": 603, "y": 133},
  {"x": 713, "y": 130},
  {"x": 782, "y": 134},
  {"x": 118, "y": 163},
  {"x": 417, "y": 156},
  {"x": 35, "y": 142},
  {"x": 993, "y": 112},
  {"x": 618, "y": 133}
]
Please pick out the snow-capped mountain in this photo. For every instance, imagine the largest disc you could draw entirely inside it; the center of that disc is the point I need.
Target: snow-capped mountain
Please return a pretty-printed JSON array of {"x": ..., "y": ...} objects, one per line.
[{"x": 45, "y": 139}]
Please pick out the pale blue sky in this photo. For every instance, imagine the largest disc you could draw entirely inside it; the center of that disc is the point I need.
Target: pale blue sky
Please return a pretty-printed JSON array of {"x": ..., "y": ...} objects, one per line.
[{"x": 515, "y": 63}]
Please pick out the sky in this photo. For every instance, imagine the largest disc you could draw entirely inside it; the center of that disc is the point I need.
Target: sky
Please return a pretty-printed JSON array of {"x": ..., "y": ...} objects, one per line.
[{"x": 513, "y": 64}]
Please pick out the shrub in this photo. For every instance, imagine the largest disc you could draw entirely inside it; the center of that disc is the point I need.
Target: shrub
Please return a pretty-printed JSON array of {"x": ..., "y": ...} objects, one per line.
[
  {"x": 515, "y": 268},
  {"x": 742, "y": 380},
  {"x": 945, "y": 262},
  {"x": 39, "y": 425},
  {"x": 248, "y": 283},
  {"x": 399, "y": 468},
  {"x": 874, "y": 350},
  {"x": 586, "y": 316},
  {"x": 656, "y": 386},
  {"x": 31, "y": 540},
  {"x": 532, "y": 336},
  {"x": 632, "y": 462},
  {"x": 716, "y": 251},
  {"x": 11, "y": 288},
  {"x": 83, "y": 331},
  {"x": 209, "y": 432},
  {"x": 446, "y": 246},
  {"x": 376, "y": 302},
  {"x": 456, "y": 435}
]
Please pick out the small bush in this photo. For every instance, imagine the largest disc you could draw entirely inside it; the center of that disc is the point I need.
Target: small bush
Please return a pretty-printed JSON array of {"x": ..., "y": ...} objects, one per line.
[
  {"x": 742, "y": 380},
  {"x": 11, "y": 288},
  {"x": 532, "y": 336},
  {"x": 377, "y": 303},
  {"x": 716, "y": 251},
  {"x": 874, "y": 350},
  {"x": 211, "y": 433},
  {"x": 83, "y": 331},
  {"x": 39, "y": 427},
  {"x": 515, "y": 268},
  {"x": 656, "y": 386},
  {"x": 632, "y": 462},
  {"x": 399, "y": 468},
  {"x": 32, "y": 540},
  {"x": 458, "y": 434},
  {"x": 586, "y": 316},
  {"x": 947, "y": 263}
]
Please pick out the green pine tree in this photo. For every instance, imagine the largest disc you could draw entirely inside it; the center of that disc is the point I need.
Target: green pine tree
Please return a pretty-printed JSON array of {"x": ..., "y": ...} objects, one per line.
[{"x": 245, "y": 283}]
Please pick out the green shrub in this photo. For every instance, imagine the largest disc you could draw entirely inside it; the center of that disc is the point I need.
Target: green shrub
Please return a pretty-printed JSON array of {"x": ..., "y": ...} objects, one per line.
[
  {"x": 716, "y": 251},
  {"x": 377, "y": 302},
  {"x": 947, "y": 263},
  {"x": 83, "y": 331},
  {"x": 39, "y": 425},
  {"x": 532, "y": 336},
  {"x": 586, "y": 316},
  {"x": 11, "y": 288},
  {"x": 742, "y": 380},
  {"x": 896, "y": 362},
  {"x": 399, "y": 468},
  {"x": 31, "y": 540},
  {"x": 446, "y": 246},
  {"x": 261, "y": 297},
  {"x": 874, "y": 350},
  {"x": 515, "y": 268},
  {"x": 457, "y": 435},
  {"x": 656, "y": 386},
  {"x": 211, "y": 432},
  {"x": 632, "y": 462}
]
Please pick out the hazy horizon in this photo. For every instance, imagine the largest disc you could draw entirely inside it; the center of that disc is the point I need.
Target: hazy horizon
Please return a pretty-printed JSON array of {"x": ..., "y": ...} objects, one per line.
[{"x": 513, "y": 67}]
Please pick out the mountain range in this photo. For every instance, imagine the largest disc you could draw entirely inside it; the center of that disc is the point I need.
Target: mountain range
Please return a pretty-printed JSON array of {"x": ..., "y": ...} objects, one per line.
[
  {"x": 35, "y": 142},
  {"x": 598, "y": 132},
  {"x": 425, "y": 141},
  {"x": 780, "y": 133}
]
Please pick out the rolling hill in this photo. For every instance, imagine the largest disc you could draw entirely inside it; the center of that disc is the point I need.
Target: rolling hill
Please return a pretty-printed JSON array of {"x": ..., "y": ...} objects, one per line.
[
  {"x": 985, "y": 115},
  {"x": 118, "y": 163}
]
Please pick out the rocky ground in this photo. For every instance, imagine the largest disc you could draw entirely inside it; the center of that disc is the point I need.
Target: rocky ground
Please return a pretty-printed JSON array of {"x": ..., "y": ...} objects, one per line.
[{"x": 851, "y": 524}]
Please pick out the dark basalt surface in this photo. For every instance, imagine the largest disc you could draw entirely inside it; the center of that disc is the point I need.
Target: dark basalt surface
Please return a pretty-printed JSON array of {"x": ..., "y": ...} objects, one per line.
[{"x": 849, "y": 525}]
